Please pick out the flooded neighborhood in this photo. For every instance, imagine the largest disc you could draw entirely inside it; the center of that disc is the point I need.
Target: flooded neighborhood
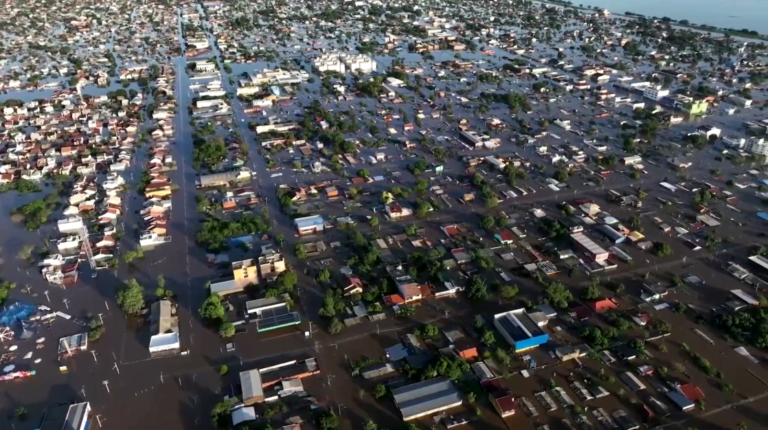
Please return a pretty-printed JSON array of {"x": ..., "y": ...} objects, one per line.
[{"x": 381, "y": 215}]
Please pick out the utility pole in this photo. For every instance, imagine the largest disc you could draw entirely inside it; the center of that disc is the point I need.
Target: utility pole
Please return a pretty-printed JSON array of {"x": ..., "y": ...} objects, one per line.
[
  {"x": 101, "y": 318},
  {"x": 93, "y": 353},
  {"x": 66, "y": 303},
  {"x": 46, "y": 296},
  {"x": 98, "y": 419},
  {"x": 106, "y": 384},
  {"x": 115, "y": 368},
  {"x": 82, "y": 391},
  {"x": 161, "y": 378},
  {"x": 328, "y": 378}
]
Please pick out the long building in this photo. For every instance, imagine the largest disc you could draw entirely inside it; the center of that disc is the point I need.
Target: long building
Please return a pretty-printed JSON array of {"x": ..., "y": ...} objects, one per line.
[
  {"x": 594, "y": 250},
  {"x": 426, "y": 398}
]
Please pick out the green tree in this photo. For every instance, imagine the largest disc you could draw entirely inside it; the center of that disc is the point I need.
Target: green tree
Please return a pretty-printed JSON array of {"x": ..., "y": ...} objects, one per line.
[
  {"x": 226, "y": 329},
  {"x": 363, "y": 173},
  {"x": 221, "y": 414},
  {"x": 477, "y": 289},
  {"x": 212, "y": 308},
  {"x": 380, "y": 391},
  {"x": 223, "y": 369},
  {"x": 592, "y": 292},
  {"x": 324, "y": 275},
  {"x": 130, "y": 298},
  {"x": 374, "y": 222},
  {"x": 508, "y": 292},
  {"x": 488, "y": 338},
  {"x": 487, "y": 222},
  {"x": 661, "y": 249}
]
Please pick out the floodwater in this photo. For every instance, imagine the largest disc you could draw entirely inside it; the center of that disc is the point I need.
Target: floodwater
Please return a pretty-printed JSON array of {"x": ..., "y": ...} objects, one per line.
[{"x": 737, "y": 14}]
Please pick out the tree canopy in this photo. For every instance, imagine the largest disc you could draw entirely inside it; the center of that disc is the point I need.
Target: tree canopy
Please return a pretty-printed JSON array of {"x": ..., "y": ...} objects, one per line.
[{"x": 130, "y": 298}]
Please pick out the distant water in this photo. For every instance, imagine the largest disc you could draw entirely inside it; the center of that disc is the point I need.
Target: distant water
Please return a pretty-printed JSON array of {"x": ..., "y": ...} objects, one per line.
[{"x": 737, "y": 14}]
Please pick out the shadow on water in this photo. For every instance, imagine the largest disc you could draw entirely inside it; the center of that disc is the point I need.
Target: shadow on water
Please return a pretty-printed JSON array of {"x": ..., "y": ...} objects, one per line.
[{"x": 35, "y": 407}]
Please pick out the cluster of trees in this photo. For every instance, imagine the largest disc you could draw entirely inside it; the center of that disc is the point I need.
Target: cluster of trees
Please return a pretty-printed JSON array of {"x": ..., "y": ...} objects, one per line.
[
  {"x": 512, "y": 174},
  {"x": 597, "y": 338},
  {"x": 750, "y": 326},
  {"x": 5, "y": 290},
  {"x": 36, "y": 213},
  {"x": 130, "y": 297},
  {"x": 209, "y": 154},
  {"x": 514, "y": 101},
  {"x": 214, "y": 232},
  {"x": 214, "y": 312},
  {"x": 22, "y": 186},
  {"x": 451, "y": 368},
  {"x": 418, "y": 167},
  {"x": 661, "y": 249},
  {"x": 333, "y": 305},
  {"x": 558, "y": 295},
  {"x": 284, "y": 284}
]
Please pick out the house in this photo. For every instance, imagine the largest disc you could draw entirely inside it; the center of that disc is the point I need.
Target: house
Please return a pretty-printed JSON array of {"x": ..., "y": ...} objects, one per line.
[
  {"x": 396, "y": 211},
  {"x": 353, "y": 285},
  {"x": 409, "y": 289},
  {"x": 505, "y": 237},
  {"x": 602, "y": 305},
  {"x": 680, "y": 162},
  {"x": 309, "y": 225}
]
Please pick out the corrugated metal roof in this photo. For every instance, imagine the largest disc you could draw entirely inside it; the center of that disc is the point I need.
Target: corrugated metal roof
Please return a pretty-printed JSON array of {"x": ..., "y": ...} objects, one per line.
[
  {"x": 426, "y": 396},
  {"x": 251, "y": 382}
]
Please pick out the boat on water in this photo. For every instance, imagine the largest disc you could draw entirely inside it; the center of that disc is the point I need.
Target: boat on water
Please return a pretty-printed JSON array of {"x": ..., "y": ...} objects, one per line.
[{"x": 151, "y": 239}]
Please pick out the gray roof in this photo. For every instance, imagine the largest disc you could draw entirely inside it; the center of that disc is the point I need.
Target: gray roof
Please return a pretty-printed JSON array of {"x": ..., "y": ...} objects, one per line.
[
  {"x": 218, "y": 177},
  {"x": 425, "y": 396},
  {"x": 251, "y": 382}
]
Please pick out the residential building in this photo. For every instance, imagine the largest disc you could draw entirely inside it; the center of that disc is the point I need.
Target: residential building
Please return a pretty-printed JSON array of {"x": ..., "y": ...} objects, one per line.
[
  {"x": 243, "y": 274},
  {"x": 426, "y": 398},
  {"x": 697, "y": 107},
  {"x": 309, "y": 225},
  {"x": 205, "y": 67},
  {"x": 655, "y": 93},
  {"x": 408, "y": 288},
  {"x": 757, "y": 146},
  {"x": 271, "y": 265}
]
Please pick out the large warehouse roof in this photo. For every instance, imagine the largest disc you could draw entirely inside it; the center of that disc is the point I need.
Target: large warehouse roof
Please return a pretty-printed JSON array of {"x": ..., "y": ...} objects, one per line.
[{"x": 426, "y": 397}]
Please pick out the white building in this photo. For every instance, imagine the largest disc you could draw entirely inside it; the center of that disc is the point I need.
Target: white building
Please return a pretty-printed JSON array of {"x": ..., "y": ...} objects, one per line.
[
  {"x": 655, "y": 93},
  {"x": 342, "y": 63},
  {"x": 329, "y": 63},
  {"x": 757, "y": 146},
  {"x": 204, "y": 67}
]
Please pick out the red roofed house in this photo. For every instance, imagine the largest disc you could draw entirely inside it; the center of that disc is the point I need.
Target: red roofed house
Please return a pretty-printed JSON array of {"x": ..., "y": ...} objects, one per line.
[
  {"x": 602, "y": 305},
  {"x": 691, "y": 392},
  {"x": 505, "y": 237},
  {"x": 501, "y": 398}
]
